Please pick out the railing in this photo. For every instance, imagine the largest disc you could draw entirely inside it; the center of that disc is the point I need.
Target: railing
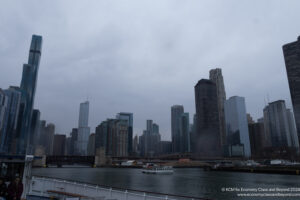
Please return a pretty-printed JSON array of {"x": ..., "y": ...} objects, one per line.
[{"x": 45, "y": 186}]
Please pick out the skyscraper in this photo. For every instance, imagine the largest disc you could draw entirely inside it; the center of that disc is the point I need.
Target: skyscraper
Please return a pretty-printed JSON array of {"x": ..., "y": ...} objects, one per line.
[
  {"x": 216, "y": 76},
  {"x": 237, "y": 125},
  {"x": 277, "y": 126},
  {"x": 59, "y": 145},
  {"x": 185, "y": 133},
  {"x": 176, "y": 113},
  {"x": 129, "y": 118},
  {"x": 10, "y": 119},
  {"x": 28, "y": 88},
  {"x": 83, "y": 128},
  {"x": 291, "y": 54},
  {"x": 208, "y": 142}
]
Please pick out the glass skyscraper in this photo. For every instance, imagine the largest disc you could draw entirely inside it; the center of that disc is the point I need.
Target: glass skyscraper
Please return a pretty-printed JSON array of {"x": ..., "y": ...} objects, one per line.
[
  {"x": 291, "y": 53},
  {"x": 28, "y": 88},
  {"x": 83, "y": 129}
]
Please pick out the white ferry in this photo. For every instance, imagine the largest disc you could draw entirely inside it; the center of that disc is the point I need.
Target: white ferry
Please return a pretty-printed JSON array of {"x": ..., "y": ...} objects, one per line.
[{"x": 155, "y": 169}]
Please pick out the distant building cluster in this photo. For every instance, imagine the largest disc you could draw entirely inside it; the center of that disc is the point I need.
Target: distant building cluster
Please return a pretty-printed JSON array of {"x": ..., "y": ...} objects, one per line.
[{"x": 221, "y": 126}]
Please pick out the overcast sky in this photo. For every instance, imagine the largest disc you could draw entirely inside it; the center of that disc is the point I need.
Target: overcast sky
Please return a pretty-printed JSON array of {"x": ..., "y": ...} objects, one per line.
[{"x": 145, "y": 56}]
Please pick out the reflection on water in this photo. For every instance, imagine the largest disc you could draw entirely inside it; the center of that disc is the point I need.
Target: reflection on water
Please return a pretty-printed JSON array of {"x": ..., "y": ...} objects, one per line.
[{"x": 188, "y": 181}]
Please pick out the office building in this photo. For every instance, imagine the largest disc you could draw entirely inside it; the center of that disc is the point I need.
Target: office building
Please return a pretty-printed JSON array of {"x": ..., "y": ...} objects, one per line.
[
  {"x": 216, "y": 76},
  {"x": 291, "y": 54},
  {"x": 207, "y": 141},
  {"x": 59, "y": 145},
  {"x": 83, "y": 129},
  {"x": 28, "y": 88},
  {"x": 176, "y": 113},
  {"x": 129, "y": 118},
  {"x": 237, "y": 125}
]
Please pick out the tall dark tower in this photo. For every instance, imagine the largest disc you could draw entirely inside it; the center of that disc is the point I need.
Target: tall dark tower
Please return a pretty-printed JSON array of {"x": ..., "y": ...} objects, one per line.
[
  {"x": 28, "y": 88},
  {"x": 291, "y": 54},
  {"x": 208, "y": 141}
]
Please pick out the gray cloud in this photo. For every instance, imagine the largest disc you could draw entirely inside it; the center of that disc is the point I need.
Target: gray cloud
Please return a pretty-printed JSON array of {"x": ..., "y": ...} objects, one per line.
[{"x": 145, "y": 56}]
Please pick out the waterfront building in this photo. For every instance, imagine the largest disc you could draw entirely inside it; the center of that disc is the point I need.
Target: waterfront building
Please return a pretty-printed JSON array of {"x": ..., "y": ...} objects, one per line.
[
  {"x": 258, "y": 140},
  {"x": 185, "y": 133},
  {"x": 10, "y": 119},
  {"x": 59, "y": 145},
  {"x": 49, "y": 138},
  {"x": 91, "y": 145},
  {"x": 176, "y": 113},
  {"x": 28, "y": 88},
  {"x": 3, "y": 108},
  {"x": 35, "y": 122},
  {"x": 277, "y": 125},
  {"x": 216, "y": 76},
  {"x": 292, "y": 128},
  {"x": 135, "y": 146},
  {"x": 207, "y": 141},
  {"x": 101, "y": 136},
  {"x": 149, "y": 140},
  {"x": 83, "y": 128},
  {"x": 291, "y": 54},
  {"x": 250, "y": 119},
  {"x": 129, "y": 118},
  {"x": 73, "y": 142},
  {"x": 164, "y": 147},
  {"x": 237, "y": 125}
]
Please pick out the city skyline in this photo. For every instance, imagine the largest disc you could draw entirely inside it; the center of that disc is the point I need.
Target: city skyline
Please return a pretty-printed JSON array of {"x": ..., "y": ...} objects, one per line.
[{"x": 80, "y": 65}]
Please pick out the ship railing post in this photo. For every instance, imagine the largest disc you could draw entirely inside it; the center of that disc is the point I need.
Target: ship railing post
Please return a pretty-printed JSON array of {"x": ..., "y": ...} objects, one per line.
[
  {"x": 110, "y": 191},
  {"x": 145, "y": 196},
  {"x": 166, "y": 197},
  {"x": 126, "y": 194}
]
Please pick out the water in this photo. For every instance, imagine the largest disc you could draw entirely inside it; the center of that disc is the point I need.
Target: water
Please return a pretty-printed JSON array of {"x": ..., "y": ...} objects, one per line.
[{"x": 187, "y": 181}]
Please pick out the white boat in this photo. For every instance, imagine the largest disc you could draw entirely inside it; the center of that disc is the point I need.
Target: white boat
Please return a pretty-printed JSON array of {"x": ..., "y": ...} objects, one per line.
[{"x": 158, "y": 169}]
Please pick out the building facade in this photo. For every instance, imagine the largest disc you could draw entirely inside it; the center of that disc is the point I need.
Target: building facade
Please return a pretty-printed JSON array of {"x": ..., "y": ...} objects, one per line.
[
  {"x": 237, "y": 125},
  {"x": 176, "y": 113},
  {"x": 216, "y": 76},
  {"x": 129, "y": 118},
  {"x": 207, "y": 137},
  {"x": 291, "y": 54},
  {"x": 83, "y": 129}
]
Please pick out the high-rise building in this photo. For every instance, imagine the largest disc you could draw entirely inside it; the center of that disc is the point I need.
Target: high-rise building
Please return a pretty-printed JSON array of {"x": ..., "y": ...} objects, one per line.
[
  {"x": 149, "y": 140},
  {"x": 129, "y": 118},
  {"x": 257, "y": 139},
  {"x": 73, "y": 142},
  {"x": 10, "y": 119},
  {"x": 277, "y": 125},
  {"x": 216, "y": 76},
  {"x": 59, "y": 145},
  {"x": 49, "y": 138},
  {"x": 291, "y": 53},
  {"x": 292, "y": 128},
  {"x": 237, "y": 125},
  {"x": 3, "y": 108},
  {"x": 83, "y": 129},
  {"x": 176, "y": 113},
  {"x": 207, "y": 141},
  {"x": 91, "y": 145},
  {"x": 184, "y": 133},
  {"x": 101, "y": 136},
  {"x": 28, "y": 88},
  {"x": 35, "y": 123},
  {"x": 135, "y": 149}
]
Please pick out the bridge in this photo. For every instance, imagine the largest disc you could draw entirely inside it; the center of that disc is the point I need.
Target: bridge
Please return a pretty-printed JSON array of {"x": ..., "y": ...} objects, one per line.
[{"x": 70, "y": 160}]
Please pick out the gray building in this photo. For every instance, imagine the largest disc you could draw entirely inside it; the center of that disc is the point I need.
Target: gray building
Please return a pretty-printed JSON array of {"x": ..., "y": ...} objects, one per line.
[
  {"x": 83, "y": 129},
  {"x": 10, "y": 119},
  {"x": 176, "y": 113},
  {"x": 216, "y": 76},
  {"x": 129, "y": 118},
  {"x": 292, "y": 128},
  {"x": 291, "y": 53},
  {"x": 258, "y": 140},
  {"x": 149, "y": 140},
  {"x": 237, "y": 125},
  {"x": 59, "y": 145},
  {"x": 277, "y": 126},
  {"x": 185, "y": 133},
  {"x": 91, "y": 145},
  {"x": 28, "y": 88},
  {"x": 207, "y": 137}
]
